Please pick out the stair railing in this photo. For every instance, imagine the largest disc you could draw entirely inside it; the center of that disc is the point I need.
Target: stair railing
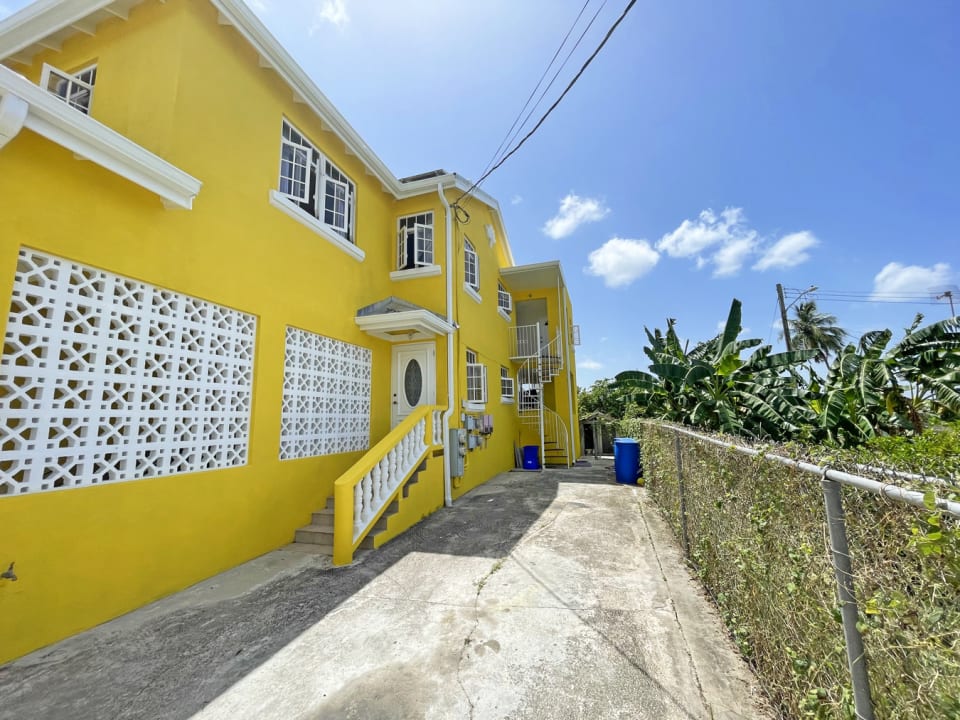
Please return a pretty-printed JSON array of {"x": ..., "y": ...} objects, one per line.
[
  {"x": 524, "y": 341},
  {"x": 554, "y": 428},
  {"x": 366, "y": 489}
]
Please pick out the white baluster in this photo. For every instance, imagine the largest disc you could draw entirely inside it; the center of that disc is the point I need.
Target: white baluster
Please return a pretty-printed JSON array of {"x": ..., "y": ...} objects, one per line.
[
  {"x": 357, "y": 510},
  {"x": 394, "y": 468},
  {"x": 367, "y": 498},
  {"x": 405, "y": 452},
  {"x": 386, "y": 479},
  {"x": 420, "y": 437},
  {"x": 377, "y": 486}
]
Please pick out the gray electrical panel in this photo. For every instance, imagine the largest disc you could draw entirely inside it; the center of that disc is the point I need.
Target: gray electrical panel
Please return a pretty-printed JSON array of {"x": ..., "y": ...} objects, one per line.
[{"x": 458, "y": 451}]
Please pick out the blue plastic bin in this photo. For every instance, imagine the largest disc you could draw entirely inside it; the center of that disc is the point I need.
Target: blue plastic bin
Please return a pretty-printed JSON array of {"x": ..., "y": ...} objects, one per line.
[
  {"x": 626, "y": 460},
  {"x": 531, "y": 457}
]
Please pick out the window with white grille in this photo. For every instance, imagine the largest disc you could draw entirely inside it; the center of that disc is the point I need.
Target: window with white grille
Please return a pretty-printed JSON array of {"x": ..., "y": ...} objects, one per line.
[
  {"x": 471, "y": 267},
  {"x": 506, "y": 384},
  {"x": 415, "y": 241},
  {"x": 476, "y": 379},
  {"x": 104, "y": 379},
  {"x": 504, "y": 299},
  {"x": 314, "y": 184},
  {"x": 76, "y": 90},
  {"x": 326, "y": 396}
]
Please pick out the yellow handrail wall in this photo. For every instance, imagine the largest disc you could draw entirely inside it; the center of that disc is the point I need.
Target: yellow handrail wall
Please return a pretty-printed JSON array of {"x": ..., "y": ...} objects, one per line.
[{"x": 344, "y": 544}]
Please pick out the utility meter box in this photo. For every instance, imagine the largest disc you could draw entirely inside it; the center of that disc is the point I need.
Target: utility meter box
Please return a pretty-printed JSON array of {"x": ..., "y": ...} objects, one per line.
[{"x": 458, "y": 445}]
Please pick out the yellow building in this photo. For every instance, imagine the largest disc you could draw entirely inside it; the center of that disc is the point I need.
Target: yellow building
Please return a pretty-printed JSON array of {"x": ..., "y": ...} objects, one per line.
[{"x": 228, "y": 325}]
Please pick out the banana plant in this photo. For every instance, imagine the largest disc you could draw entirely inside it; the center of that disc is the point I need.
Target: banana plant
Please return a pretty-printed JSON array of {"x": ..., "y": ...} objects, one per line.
[{"x": 713, "y": 387}]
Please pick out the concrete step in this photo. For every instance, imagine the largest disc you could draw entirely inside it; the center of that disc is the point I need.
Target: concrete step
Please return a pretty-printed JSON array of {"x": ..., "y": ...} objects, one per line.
[
  {"x": 319, "y": 533},
  {"x": 314, "y": 535}
]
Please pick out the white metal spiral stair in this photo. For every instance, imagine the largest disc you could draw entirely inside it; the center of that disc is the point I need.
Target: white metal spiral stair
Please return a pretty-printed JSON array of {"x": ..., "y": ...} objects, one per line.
[{"x": 540, "y": 362}]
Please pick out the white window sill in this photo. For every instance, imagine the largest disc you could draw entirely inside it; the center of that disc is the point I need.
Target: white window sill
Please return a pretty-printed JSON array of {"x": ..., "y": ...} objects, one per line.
[
  {"x": 417, "y": 272},
  {"x": 506, "y": 401},
  {"x": 308, "y": 220},
  {"x": 472, "y": 293},
  {"x": 504, "y": 314},
  {"x": 473, "y": 406}
]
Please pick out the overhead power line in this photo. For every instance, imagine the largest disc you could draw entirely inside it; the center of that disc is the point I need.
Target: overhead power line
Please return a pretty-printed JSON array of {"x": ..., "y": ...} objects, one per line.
[
  {"x": 507, "y": 136},
  {"x": 556, "y": 74},
  {"x": 556, "y": 102}
]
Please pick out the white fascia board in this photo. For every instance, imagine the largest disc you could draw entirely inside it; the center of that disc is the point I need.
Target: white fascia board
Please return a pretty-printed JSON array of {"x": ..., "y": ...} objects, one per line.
[
  {"x": 53, "y": 119},
  {"x": 422, "y": 321},
  {"x": 42, "y": 18},
  {"x": 245, "y": 21}
]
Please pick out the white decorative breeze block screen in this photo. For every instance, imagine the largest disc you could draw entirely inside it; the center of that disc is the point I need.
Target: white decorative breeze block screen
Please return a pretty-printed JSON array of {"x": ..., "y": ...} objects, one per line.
[
  {"x": 326, "y": 396},
  {"x": 105, "y": 379}
]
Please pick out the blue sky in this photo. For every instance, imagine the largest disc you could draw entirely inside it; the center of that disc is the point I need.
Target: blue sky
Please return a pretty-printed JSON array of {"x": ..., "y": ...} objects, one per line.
[{"x": 710, "y": 151}]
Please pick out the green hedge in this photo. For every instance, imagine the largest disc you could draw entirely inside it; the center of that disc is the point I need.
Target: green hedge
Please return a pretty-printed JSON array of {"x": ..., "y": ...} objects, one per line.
[{"x": 757, "y": 538}]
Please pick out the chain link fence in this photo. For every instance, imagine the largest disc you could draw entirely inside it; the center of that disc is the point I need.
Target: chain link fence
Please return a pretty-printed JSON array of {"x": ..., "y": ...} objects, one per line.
[{"x": 755, "y": 530}]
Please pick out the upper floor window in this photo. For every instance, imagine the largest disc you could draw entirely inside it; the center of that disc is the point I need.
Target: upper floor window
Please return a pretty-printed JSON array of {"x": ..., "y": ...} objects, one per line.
[
  {"x": 313, "y": 183},
  {"x": 471, "y": 266},
  {"x": 76, "y": 90},
  {"x": 504, "y": 299},
  {"x": 415, "y": 241}
]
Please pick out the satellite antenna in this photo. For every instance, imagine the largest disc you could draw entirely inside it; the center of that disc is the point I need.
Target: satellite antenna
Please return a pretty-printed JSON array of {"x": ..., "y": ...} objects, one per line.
[{"x": 949, "y": 293}]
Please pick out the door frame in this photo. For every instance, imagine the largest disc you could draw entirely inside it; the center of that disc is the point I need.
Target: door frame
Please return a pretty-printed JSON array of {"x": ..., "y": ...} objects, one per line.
[{"x": 429, "y": 377}]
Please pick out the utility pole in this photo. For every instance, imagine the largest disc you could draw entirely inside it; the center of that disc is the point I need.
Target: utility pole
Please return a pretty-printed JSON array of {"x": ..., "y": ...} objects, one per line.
[
  {"x": 783, "y": 317},
  {"x": 948, "y": 294}
]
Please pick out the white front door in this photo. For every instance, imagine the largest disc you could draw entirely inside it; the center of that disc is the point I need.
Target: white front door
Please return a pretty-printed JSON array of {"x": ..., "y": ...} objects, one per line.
[{"x": 414, "y": 379}]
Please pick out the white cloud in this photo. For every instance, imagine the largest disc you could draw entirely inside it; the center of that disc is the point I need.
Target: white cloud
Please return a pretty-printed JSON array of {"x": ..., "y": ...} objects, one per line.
[
  {"x": 588, "y": 364},
  {"x": 692, "y": 237},
  {"x": 574, "y": 212},
  {"x": 727, "y": 242},
  {"x": 331, "y": 11},
  {"x": 728, "y": 236},
  {"x": 732, "y": 255},
  {"x": 516, "y": 199},
  {"x": 620, "y": 261},
  {"x": 897, "y": 278},
  {"x": 788, "y": 251}
]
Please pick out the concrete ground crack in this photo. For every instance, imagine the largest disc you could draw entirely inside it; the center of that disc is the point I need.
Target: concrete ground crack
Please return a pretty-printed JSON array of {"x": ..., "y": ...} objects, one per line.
[
  {"x": 468, "y": 640},
  {"x": 676, "y": 615}
]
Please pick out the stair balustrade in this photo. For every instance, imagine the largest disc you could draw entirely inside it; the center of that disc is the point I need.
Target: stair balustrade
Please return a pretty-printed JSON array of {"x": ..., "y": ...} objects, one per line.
[{"x": 364, "y": 491}]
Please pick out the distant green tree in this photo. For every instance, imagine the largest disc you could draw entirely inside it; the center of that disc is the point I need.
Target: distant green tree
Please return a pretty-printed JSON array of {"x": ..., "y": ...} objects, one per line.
[
  {"x": 811, "y": 329},
  {"x": 603, "y": 396}
]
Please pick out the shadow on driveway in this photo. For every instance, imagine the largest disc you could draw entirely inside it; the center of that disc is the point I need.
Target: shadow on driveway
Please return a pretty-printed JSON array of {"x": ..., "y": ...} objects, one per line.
[{"x": 173, "y": 665}]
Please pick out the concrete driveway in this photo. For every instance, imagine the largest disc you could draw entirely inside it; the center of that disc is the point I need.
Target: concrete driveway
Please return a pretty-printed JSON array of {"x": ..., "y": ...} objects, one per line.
[{"x": 539, "y": 595}]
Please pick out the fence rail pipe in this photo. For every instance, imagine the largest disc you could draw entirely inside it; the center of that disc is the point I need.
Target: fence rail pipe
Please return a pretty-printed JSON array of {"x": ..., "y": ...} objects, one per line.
[
  {"x": 843, "y": 569},
  {"x": 894, "y": 492}
]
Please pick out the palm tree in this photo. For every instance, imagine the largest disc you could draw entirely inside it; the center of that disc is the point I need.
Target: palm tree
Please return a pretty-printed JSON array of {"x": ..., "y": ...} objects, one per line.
[{"x": 814, "y": 330}]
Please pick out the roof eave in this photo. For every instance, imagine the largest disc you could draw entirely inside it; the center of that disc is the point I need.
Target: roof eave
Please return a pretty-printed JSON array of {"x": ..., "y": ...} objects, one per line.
[{"x": 53, "y": 119}]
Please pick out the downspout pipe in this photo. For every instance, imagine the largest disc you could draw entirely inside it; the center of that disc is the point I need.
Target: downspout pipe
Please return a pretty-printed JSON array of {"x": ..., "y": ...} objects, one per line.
[{"x": 447, "y": 446}]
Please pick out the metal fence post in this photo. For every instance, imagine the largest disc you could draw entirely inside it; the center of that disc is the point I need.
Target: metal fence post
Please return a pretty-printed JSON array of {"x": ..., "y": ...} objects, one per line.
[
  {"x": 683, "y": 498},
  {"x": 840, "y": 555}
]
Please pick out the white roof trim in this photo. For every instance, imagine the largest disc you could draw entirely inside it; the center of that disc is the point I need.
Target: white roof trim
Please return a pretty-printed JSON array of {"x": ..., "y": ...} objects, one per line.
[
  {"x": 42, "y": 18},
  {"x": 403, "y": 326},
  {"x": 55, "y": 120}
]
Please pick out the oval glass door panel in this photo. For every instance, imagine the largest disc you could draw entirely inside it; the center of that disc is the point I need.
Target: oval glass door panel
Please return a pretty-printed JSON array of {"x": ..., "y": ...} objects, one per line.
[{"x": 413, "y": 383}]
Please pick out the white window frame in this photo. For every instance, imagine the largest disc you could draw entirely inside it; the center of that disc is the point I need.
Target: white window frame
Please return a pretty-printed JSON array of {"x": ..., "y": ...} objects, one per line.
[
  {"x": 423, "y": 241},
  {"x": 321, "y": 175},
  {"x": 73, "y": 81},
  {"x": 476, "y": 381},
  {"x": 471, "y": 266},
  {"x": 504, "y": 301},
  {"x": 507, "y": 385}
]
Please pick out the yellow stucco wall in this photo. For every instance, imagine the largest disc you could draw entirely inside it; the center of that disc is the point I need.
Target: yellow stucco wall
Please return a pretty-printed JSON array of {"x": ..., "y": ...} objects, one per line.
[{"x": 174, "y": 80}]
